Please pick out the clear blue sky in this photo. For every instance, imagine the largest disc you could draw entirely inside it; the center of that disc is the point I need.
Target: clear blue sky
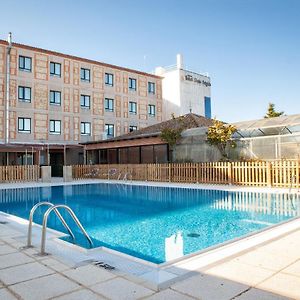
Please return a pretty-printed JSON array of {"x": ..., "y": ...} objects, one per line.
[{"x": 250, "y": 48}]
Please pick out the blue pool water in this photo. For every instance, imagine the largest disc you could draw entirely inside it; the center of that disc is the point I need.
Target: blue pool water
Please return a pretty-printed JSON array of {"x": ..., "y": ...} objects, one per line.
[{"x": 155, "y": 223}]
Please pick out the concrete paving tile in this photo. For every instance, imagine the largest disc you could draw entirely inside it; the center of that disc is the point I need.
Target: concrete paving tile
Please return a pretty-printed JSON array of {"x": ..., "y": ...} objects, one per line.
[
  {"x": 259, "y": 295},
  {"x": 289, "y": 249},
  {"x": 5, "y": 294},
  {"x": 44, "y": 287},
  {"x": 282, "y": 284},
  {"x": 89, "y": 275},
  {"x": 209, "y": 287},
  {"x": 167, "y": 295},
  {"x": 120, "y": 288},
  {"x": 24, "y": 272},
  {"x": 5, "y": 249},
  {"x": 55, "y": 264},
  {"x": 293, "y": 269},
  {"x": 49, "y": 261},
  {"x": 80, "y": 295},
  {"x": 14, "y": 259},
  {"x": 264, "y": 259},
  {"x": 239, "y": 272},
  {"x": 60, "y": 267},
  {"x": 8, "y": 232},
  {"x": 158, "y": 276}
]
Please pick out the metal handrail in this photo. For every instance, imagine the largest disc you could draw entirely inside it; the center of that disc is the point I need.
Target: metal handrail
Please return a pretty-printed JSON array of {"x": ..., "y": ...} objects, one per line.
[
  {"x": 126, "y": 176},
  {"x": 72, "y": 214},
  {"x": 32, "y": 211}
]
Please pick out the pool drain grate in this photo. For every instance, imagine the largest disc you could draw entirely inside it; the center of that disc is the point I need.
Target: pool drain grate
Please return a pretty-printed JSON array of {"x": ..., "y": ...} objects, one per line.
[
  {"x": 193, "y": 235},
  {"x": 101, "y": 264}
]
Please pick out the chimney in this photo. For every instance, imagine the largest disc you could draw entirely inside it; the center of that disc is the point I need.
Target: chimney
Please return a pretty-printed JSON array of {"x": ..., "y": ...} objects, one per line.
[
  {"x": 9, "y": 39},
  {"x": 179, "y": 61}
]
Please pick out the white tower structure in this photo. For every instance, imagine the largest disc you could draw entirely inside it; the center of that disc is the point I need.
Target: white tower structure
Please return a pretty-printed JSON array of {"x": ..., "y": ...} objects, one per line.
[{"x": 184, "y": 91}]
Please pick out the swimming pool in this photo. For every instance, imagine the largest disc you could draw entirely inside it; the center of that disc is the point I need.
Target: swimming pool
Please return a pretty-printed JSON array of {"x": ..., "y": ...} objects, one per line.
[{"x": 157, "y": 224}]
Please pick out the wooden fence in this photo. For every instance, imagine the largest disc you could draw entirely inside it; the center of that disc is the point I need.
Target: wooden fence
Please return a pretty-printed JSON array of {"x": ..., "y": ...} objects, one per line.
[
  {"x": 19, "y": 173},
  {"x": 266, "y": 174}
]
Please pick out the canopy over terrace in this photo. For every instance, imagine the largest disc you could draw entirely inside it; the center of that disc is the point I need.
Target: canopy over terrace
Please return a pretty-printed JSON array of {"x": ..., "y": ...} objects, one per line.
[
  {"x": 40, "y": 154},
  {"x": 270, "y": 126}
]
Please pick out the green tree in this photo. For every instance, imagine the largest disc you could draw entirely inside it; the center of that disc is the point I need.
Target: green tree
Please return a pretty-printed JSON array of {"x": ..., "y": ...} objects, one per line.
[
  {"x": 271, "y": 113},
  {"x": 171, "y": 135},
  {"x": 220, "y": 134}
]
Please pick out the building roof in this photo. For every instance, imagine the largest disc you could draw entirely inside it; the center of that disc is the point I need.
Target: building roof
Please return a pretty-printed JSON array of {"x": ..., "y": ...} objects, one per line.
[
  {"x": 86, "y": 60},
  {"x": 268, "y": 126},
  {"x": 185, "y": 122}
]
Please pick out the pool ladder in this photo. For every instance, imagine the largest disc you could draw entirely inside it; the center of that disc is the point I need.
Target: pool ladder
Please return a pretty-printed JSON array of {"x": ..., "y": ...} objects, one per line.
[
  {"x": 45, "y": 219},
  {"x": 125, "y": 177}
]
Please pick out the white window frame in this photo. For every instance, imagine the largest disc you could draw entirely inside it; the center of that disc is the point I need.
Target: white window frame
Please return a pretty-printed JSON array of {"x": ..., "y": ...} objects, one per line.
[
  {"x": 151, "y": 87},
  {"x": 84, "y": 99},
  {"x": 56, "y": 68},
  {"x": 132, "y": 128},
  {"x": 109, "y": 79},
  {"x": 25, "y": 63},
  {"x": 85, "y": 128},
  {"x": 84, "y": 76},
  {"x": 132, "y": 105},
  {"x": 25, "y": 125},
  {"x": 56, "y": 94},
  {"x": 55, "y": 127},
  {"x": 109, "y": 104},
  {"x": 151, "y": 110},
  {"x": 22, "y": 90},
  {"x": 132, "y": 86},
  {"x": 108, "y": 128}
]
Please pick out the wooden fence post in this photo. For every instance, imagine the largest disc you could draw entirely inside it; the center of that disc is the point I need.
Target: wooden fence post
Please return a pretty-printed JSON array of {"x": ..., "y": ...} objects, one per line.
[
  {"x": 230, "y": 173},
  {"x": 269, "y": 174}
]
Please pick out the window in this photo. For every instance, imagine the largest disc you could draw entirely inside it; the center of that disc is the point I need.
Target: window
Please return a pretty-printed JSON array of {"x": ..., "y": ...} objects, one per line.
[
  {"x": 207, "y": 107},
  {"x": 132, "y": 128},
  {"x": 110, "y": 129},
  {"x": 55, "y": 97},
  {"x": 55, "y": 126},
  {"x": 151, "y": 87},
  {"x": 85, "y": 128},
  {"x": 109, "y": 104},
  {"x": 55, "y": 69},
  {"x": 85, "y": 101},
  {"x": 25, "y": 63},
  {"x": 132, "y": 107},
  {"x": 132, "y": 84},
  {"x": 24, "y": 125},
  {"x": 85, "y": 74},
  {"x": 151, "y": 110},
  {"x": 24, "y": 93},
  {"x": 109, "y": 79}
]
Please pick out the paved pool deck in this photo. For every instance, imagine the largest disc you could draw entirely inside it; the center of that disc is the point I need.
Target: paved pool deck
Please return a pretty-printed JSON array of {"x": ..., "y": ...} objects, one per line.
[
  {"x": 271, "y": 271},
  {"x": 268, "y": 271}
]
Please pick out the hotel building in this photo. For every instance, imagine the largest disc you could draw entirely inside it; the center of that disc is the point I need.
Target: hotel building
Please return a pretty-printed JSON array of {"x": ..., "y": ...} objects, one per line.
[{"x": 50, "y": 102}]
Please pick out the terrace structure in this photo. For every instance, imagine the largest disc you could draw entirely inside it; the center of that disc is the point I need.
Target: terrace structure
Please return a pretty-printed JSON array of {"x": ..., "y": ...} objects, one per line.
[
  {"x": 141, "y": 146},
  {"x": 51, "y": 102}
]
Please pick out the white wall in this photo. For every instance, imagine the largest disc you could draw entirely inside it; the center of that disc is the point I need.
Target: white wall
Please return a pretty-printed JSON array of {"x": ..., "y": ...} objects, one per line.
[
  {"x": 192, "y": 92},
  {"x": 183, "y": 91}
]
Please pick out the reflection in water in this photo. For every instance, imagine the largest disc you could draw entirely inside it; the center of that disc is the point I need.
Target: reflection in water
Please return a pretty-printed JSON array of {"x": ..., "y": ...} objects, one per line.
[
  {"x": 266, "y": 203},
  {"x": 174, "y": 246}
]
